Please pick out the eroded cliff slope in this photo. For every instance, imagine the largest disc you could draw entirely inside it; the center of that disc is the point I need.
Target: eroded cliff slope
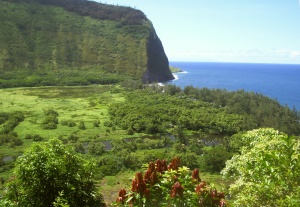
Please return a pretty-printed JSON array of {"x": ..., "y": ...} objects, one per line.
[{"x": 72, "y": 42}]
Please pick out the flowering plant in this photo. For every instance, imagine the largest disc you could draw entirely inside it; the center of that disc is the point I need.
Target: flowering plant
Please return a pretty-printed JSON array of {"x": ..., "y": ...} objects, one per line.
[{"x": 170, "y": 185}]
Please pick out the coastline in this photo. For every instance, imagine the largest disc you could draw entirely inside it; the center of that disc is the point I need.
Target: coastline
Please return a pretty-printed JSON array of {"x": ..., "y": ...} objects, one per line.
[{"x": 258, "y": 78}]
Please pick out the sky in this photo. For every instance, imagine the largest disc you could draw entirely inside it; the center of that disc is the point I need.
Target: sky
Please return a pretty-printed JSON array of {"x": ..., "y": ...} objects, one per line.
[{"x": 254, "y": 31}]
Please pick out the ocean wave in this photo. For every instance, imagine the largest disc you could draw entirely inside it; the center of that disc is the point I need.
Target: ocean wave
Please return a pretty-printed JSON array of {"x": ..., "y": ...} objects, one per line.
[
  {"x": 181, "y": 72},
  {"x": 175, "y": 77}
]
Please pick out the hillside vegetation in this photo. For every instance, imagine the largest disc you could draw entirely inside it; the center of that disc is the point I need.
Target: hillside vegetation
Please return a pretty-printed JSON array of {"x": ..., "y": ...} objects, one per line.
[
  {"x": 123, "y": 128},
  {"x": 77, "y": 43}
]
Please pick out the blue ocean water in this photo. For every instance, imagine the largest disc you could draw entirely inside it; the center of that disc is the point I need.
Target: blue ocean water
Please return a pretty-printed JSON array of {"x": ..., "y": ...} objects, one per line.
[{"x": 277, "y": 81}]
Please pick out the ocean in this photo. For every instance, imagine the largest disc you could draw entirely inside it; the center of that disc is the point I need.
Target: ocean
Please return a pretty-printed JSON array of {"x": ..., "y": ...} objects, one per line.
[{"x": 277, "y": 81}]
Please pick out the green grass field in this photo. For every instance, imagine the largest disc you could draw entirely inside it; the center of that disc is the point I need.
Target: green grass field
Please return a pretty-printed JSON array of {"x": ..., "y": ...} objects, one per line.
[{"x": 86, "y": 104}]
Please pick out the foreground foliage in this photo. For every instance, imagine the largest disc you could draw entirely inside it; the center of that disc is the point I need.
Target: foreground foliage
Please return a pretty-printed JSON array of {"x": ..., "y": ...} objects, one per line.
[
  {"x": 51, "y": 174},
  {"x": 171, "y": 185},
  {"x": 267, "y": 171}
]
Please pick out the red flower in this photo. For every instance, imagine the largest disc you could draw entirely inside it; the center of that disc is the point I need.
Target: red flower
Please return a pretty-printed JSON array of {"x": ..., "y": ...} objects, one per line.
[
  {"x": 122, "y": 196},
  {"x": 161, "y": 166},
  {"x": 133, "y": 185},
  {"x": 139, "y": 176},
  {"x": 177, "y": 190},
  {"x": 151, "y": 166},
  {"x": 174, "y": 164},
  {"x": 138, "y": 184},
  {"x": 153, "y": 178},
  {"x": 195, "y": 175},
  {"x": 147, "y": 175},
  {"x": 200, "y": 187}
]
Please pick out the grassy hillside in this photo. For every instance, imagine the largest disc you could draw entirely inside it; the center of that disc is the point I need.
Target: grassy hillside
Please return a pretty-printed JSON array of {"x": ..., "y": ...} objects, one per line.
[{"x": 47, "y": 45}]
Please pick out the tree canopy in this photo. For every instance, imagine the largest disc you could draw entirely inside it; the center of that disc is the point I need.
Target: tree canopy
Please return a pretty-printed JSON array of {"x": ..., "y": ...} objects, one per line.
[
  {"x": 212, "y": 111},
  {"x": 267, "y": 170}
]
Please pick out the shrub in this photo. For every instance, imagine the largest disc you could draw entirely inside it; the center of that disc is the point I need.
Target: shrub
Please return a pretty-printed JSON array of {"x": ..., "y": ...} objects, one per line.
[
  {"x": 73, "y": 137},
  {"x": 64, "y": 122},
  {"x": 71, "y": 124},
  {"x": 81, "y": 125},
  {"x": 37, "y": 138},
  {"x": 51, "y": 172},
  {"x": 96, "y": 148},
  {"x": 266, "y": 171},
  {"x": 96, "y": 123},
  {"x": 50, "y": 121},
  {"x": 28, "y": 136},
  {"x": 50, "y": 125}
]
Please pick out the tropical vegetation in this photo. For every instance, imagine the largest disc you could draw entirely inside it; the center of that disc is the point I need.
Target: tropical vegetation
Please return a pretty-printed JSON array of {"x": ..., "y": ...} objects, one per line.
[
  {"x": 266, "y": 172},
  {"x": 77, "y": 124}
]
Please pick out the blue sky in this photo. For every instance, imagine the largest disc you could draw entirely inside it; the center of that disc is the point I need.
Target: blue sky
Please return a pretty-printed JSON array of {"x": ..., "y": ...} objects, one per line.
[{"x": 260, "y": 31}]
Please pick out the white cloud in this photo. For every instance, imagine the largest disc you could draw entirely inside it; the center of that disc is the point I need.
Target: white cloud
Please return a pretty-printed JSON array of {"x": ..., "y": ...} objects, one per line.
[
  {"x": 247, "y": 55},
  {"x": 295, "y": 54}
]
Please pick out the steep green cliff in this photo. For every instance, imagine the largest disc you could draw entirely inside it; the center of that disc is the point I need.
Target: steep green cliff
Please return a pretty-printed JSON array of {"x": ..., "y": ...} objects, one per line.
[{"x": 70, "y": 42}]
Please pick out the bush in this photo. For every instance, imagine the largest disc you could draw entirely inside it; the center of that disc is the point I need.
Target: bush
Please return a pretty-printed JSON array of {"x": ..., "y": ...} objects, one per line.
[
  {"x": 50, "y": 112},
  {"x": 17, "y": 141},
  {"x": 71, "y": 124},
  {"x": 37, "y": 138},
  {"x": 73, "y": 137},
  {"x": 266, "y": 171},
  {"x": 50, "y": 125},
  {"x": 64, "y": 122},
  {"x": 81, "y": 125},
  {"x": 108, "y": 124},
  {"x": 51, "y": 172},
  {"x": 96, "y": 148},
  {"x": 28, "y": 136},
  {"x": 214, "y": 159},
  {"x": 50, "y": 121},
  {"x": 96, "y": 123},
  {"x": 68, "y": 123}
]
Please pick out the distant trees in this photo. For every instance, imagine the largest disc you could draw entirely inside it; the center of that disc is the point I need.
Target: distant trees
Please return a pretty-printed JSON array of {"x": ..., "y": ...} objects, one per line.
[
  {"x": 209, "y": 111},
  {"x": 267, "y": 170}
]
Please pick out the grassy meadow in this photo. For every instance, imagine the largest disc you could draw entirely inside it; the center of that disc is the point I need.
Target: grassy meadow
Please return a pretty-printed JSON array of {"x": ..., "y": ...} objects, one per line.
[
  {"x": 86, "y": 104},
  {"x": 79, "y": 104}
]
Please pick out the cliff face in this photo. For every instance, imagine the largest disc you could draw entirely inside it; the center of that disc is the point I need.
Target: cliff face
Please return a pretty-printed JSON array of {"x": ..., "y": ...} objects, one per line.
[
  {"x": 59, "y": 35},
  {"x": 157, "y": 64}
]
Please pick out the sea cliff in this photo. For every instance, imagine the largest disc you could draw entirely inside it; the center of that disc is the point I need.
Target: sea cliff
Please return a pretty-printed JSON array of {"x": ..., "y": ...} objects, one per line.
[{"x": 55, "y": 38}]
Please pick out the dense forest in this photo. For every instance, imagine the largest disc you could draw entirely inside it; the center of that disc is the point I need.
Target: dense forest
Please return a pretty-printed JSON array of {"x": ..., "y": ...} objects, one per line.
[{"x": 218, "y": 112}]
